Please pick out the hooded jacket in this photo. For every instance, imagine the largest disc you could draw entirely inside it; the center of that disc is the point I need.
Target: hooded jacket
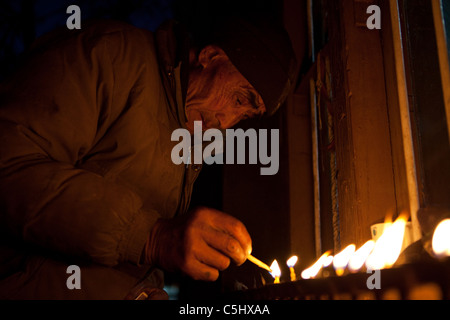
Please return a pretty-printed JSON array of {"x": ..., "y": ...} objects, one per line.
[{"x": 85, "y": 159}]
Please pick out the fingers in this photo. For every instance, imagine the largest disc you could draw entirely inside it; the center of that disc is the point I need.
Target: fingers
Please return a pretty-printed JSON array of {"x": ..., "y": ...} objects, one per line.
[
  {"x": 214, "y": 259},
  {"x": 235, "y": 229},
  {"x": 226, "y": 244},
  {"x": 200, "y": 271},
  {"x": 202, "y": 244},
  {"x": 207, "y": 263}
]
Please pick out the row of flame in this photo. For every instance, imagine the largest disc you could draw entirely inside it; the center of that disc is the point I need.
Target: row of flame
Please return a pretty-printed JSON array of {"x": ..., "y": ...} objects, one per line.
[{"x": 375, "y": 255}]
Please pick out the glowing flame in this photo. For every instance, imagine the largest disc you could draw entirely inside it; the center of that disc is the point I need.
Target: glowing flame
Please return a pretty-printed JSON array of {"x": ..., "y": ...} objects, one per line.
[
  {"x": 276, "y": 272},
  {"x": 441, "y": 239},
  {"x": 341, "y": 259},
  {"x": 292, "y": 261},
  {"x": 312, "y": 271},
  {"x": 327, "y": 261},
  {"x": 388, "y": 246},
  {"x": 360, "y": 256}
]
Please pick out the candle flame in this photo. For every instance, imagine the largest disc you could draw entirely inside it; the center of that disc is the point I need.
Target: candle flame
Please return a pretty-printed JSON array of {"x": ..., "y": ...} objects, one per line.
[
  {"x": 441, "y": 239},
  {"x": 360, "y": 256},
  {"x": 327, "y": 261},
  {"x": 341, "y": 259},
  {"x": 276, "y": 272},
  {"x": 292, "y": 261},
  {"x": 388, "y": 246},
  {"x": 312, "y": 271}
]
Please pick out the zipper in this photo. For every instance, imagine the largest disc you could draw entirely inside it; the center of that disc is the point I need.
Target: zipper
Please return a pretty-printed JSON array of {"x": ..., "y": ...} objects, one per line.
[{"x": 171, "y": 77}]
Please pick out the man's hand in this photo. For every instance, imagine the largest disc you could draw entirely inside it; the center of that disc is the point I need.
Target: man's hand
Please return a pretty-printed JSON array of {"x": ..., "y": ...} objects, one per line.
[{"x": 200, "y": 244}]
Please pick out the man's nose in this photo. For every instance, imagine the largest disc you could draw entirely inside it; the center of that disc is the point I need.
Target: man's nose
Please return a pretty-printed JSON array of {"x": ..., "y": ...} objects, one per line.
[{"x": 229, "y": 119}]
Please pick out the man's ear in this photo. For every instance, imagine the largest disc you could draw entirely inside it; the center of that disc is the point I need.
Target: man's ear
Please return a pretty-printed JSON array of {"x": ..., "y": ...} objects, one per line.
[{"x": 209, "y": 54}]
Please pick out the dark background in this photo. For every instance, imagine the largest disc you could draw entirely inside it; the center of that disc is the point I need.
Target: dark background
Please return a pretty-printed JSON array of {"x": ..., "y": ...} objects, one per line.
[{"x": 21, "y": 22}]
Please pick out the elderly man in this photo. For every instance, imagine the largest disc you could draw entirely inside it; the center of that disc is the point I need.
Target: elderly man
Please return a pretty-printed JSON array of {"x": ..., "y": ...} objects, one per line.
[{"x": 86, "y": 176}]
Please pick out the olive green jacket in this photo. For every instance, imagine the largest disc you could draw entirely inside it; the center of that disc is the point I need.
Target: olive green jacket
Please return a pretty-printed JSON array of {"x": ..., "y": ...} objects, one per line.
[{"x": 85, "y": 159}]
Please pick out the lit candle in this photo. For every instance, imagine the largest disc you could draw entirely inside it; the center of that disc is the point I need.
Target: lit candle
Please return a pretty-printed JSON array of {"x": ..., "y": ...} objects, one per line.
[
  {"x": 327, "y": 261},
  {"x": 441, "y": 239},
  {"x": 312, "y": 271},
  {"x": 276, "y": 272},
  {"x": 388, "y": 246},
  {"x": 340, "y": 260},
  {"x": 360, "y": 256},
  {"x": 327, "y": 268},
  {"x": 291, "y": 263}
]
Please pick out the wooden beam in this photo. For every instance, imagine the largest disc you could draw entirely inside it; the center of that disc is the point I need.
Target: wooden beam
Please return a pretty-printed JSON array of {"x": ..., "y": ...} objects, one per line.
[{"x": 364, "y": 160}]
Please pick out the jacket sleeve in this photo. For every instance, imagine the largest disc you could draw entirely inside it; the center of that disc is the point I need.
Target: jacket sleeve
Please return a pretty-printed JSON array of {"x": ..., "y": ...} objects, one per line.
[{"x": 51, "y": 114}]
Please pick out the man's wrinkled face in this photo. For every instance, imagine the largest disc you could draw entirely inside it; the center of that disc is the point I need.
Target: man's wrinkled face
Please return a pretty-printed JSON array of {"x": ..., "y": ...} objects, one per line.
[{"x": 218, "y": 94}]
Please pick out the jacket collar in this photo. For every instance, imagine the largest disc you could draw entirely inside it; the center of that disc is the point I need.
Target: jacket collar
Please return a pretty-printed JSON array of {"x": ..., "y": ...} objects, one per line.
[{"x": 173, "y": 44}]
